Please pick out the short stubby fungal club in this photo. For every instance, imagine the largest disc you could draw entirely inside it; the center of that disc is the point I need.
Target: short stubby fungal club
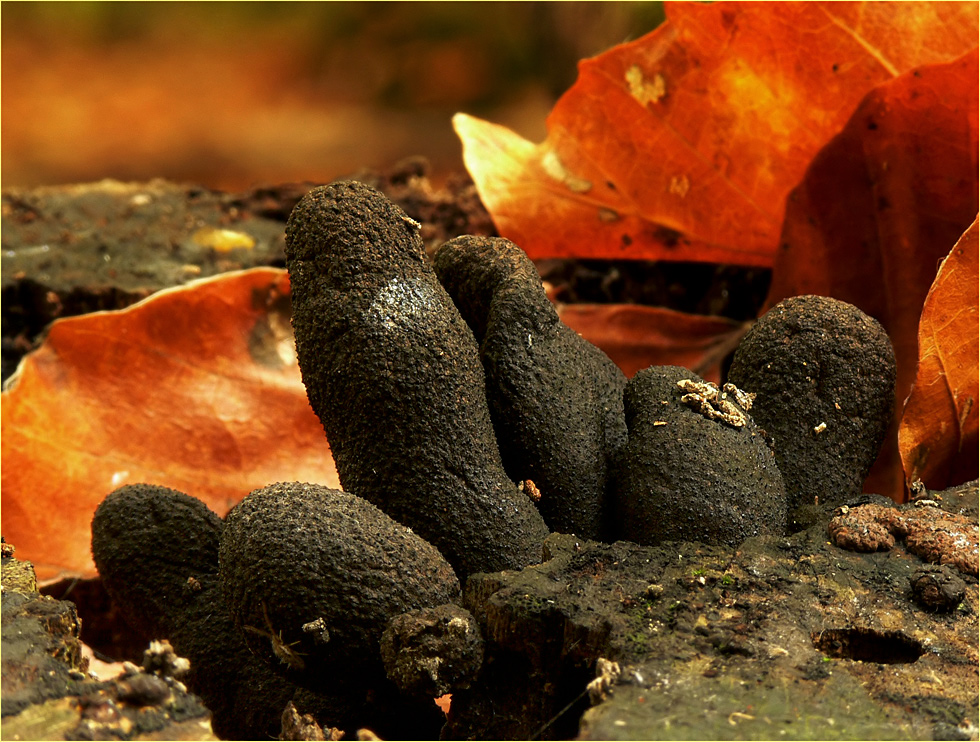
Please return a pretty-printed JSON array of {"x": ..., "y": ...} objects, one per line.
[
  {"x": 148, "y": 541},
  {"x": 696, "y": 467},
  {"x": 156, "y": 550},
  {"x": 824, "y": 372},
  {"x": 313, "y": 575}
]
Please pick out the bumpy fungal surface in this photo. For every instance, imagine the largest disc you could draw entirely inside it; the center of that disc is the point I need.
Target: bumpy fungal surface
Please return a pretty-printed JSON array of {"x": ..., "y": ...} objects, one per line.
[
  {"x": 247, "y": 697},
  {"x": 555, "y": 399},
  {"x": 156, "y": 550},
  {"x": 824, "y": 373},
  {"x": 313, "y": 575},
  {"x": 394, "y": 374},
  {"x": 147, "y": 541},
  {"x": 687, "y": 475},
  {"x": 431, "y": 652}
]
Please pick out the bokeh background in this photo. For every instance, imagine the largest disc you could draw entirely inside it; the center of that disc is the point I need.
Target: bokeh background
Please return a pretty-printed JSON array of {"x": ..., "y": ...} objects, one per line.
[{"x": 232, "y": 95}]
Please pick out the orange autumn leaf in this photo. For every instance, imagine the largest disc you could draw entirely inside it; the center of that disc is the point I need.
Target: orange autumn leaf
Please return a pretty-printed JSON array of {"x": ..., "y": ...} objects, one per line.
[
  {"x": 636, "y": 337},
  {"x": 880, "y": 207},
  {"x": 937, "y": 438},
  {"x": 683, "y": 144},
  {"x": 195, "y": 388}
]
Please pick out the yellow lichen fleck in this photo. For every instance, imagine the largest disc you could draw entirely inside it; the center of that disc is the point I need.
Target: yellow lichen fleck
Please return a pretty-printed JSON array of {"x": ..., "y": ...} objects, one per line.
[
  {"x": 645, "y": 91},
  {"x": 223, "y": 240},
  {"x": 679, "y": 185}
]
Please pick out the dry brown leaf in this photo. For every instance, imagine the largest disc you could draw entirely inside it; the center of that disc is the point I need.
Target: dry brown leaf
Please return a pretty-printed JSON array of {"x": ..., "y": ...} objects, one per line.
[
  {"x": 937, "y": 438},
  {"x": 878, "y": 210},
  {"x": 636, "y": 336},
  {"x": 195, "y": 388},
  {"x": 684, "y": 144}
]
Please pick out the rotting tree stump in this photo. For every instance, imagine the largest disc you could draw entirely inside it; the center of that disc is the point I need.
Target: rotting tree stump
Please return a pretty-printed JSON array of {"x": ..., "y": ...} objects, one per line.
[
  {"x": 781, "y": 638},
  {"x": 47, "y": 693}
]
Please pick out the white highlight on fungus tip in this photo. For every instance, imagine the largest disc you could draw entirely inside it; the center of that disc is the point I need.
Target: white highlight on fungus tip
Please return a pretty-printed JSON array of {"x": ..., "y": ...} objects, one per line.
[{"x": 401, "y": 303}]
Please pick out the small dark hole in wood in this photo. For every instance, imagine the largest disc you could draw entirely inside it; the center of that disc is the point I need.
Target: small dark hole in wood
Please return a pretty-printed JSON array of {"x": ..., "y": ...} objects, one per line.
[{"x": 867, "y": 645}]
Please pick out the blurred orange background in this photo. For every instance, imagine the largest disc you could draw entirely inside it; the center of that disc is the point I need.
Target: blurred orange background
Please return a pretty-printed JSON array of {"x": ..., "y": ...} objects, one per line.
[{"x": 230, "y": 95}]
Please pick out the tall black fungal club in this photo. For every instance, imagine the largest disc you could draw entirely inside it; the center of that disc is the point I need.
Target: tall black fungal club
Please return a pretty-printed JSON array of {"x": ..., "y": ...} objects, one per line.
[
  {"x": 394, "y": 374},
  {"x": 556, "y": 399}
]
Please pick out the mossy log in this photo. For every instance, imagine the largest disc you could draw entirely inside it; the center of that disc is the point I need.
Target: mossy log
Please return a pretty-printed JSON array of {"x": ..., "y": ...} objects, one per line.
[{"x": 779, "y": 638}]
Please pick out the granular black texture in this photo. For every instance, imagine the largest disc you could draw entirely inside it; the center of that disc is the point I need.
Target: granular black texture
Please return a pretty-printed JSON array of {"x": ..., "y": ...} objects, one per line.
[
  {"x": 556, "y": 400},
  {"x": 173, "y": 535},
  {"x": 394, "y": 374},
  {"x": 824, "y": 372},
  {"x": 313, "y": 575},
  {"x": 147, "y": 540},
  {"x": 245, "y": 697},
  {"x": 684, "y": 476}
]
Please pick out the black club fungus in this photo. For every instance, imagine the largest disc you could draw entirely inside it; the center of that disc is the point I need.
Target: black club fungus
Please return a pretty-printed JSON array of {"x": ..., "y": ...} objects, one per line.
[
  {"x": 824, "y": 372},
  {"x": 555, "y": 399},
  {"x": 147, "y": 542},
  {"x": 696, "y": 467},
  {"x": 313, "y": 575},
  {"x": 246, "y": 696},
  {"x": 394, "y": 374}
]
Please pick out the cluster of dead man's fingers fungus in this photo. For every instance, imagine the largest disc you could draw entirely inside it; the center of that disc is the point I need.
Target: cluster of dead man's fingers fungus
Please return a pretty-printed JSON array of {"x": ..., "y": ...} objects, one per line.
[
  {"x": 438, "y": 389},
  {"x": 177, "y": 570},
  {"x": 556, "y": 400},
  {"x": 394, "y": 374}
]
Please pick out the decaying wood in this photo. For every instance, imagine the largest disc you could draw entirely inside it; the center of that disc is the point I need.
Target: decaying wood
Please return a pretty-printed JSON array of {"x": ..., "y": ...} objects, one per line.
[
  {"x": 782, "y": 637},
  {"x": 47, "y": 693}
]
